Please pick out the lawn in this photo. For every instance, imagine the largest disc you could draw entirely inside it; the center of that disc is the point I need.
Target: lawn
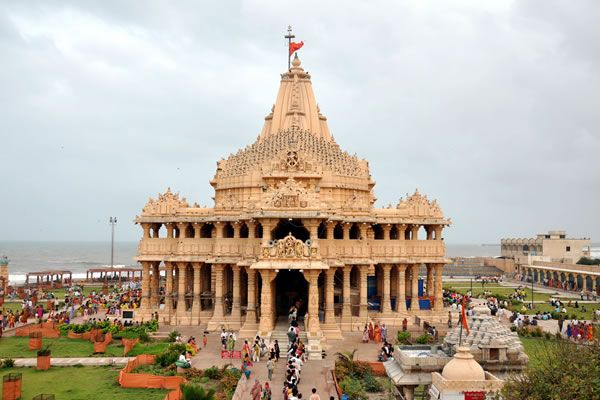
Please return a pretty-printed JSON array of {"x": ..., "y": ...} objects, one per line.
[
  {"x": 498, "y": 290},
  {"x": 535, "y": 349},
  {"x": 18, "y": 347},
  {"x": 79, "y": 383},
  {"x": 546, "y": 307}
]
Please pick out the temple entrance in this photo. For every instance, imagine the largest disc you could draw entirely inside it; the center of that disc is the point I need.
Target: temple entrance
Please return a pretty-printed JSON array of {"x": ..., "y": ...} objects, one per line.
[
  {"x": 293, "y": 226},
  {"x": 291, "y": 288}
]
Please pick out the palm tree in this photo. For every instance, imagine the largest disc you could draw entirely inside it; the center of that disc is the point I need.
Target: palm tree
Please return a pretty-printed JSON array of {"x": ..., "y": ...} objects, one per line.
[{"x": 346, "y": 357}]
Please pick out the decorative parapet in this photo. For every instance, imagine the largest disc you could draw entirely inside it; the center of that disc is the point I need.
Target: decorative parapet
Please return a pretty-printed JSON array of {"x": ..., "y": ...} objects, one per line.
[
  {"x": 289, "y": 248},
  {"x": 418, "y": 205},
  {"x": 167, "y": 203}
]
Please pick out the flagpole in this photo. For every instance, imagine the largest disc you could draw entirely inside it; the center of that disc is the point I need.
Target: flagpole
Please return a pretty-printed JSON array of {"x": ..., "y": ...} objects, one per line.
[{"x": 289, "y": 37}]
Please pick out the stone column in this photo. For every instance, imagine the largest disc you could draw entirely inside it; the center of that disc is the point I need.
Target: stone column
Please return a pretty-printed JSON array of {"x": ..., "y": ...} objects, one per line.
[
  {"x": 414, "y": 304},
  {"x": 145, "y": 304},
  {"x": 182, "y": 226},
  {"x": 402, "y": 231},
  {"x": 218, "y": 311},
  {"x": 401, "y": 298},
  {"x": 330, "y": 227},
  {"x": 364, "y": 306},
  {"x": 169, "y": 288},
  {"x": 429, "y": 280},
  {"x": 154, "y": 299},
  {"x": 220, "y": 228},
  {"x": 196, "y": 308},
  {"x": 438, "y": 232},
  {"x": 346, "y": 307},
  {"x": 236, "y": 312},
  {"x": 181, "y": 288},
  {"x": 251, "y": 309},
  {"x": 385, "y": 298},
  {"x": 197, "y": 228},
  {"x": 266, "y": 311},
  {"x": 329, "y": 302},
  {"x": 313, "y": 301},
  {"x": 146, "y": 228},
  {"x": 386, "y": 231},
  {"x": 346, "y": 228},
  {"x": 414, "y": 232},
  {"x": 439, "y": 298},
  {"x": 170, "y": 227},
  {"x": 251, "y": 229}
]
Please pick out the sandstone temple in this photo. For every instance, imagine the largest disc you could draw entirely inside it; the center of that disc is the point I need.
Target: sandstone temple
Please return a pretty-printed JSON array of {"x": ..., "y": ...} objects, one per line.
[{"x": 293, "y": 222}]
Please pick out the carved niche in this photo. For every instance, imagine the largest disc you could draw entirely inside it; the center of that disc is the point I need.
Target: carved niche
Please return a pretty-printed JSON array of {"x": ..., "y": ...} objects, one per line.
[
  {"x": 290, "y": 194},
  {"x": 167, "y": 203},
  {"x": 289, "y": 247},
  {"x": 228, "y": 201}
]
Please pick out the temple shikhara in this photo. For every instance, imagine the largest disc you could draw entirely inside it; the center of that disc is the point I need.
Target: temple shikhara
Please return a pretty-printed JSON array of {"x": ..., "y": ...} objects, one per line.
[{"x": 293, "y": 222}]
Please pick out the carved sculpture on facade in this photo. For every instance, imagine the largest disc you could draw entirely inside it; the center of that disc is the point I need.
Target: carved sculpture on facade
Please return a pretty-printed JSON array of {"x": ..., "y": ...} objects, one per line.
[
  {"x": 289, "y": 194},
  {"x": 289, "y": 247},
  {"x": 167, "y": 203}
]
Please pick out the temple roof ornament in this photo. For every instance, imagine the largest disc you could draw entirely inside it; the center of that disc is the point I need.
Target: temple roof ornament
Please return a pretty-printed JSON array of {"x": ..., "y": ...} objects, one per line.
[
  {"x": 167, "y": 203},
  {"x": 418, "y": 205}
]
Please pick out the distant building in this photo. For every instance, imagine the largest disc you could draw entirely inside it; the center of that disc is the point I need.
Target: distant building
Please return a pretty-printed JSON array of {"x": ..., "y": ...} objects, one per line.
[{"x": 553, "y": 246}]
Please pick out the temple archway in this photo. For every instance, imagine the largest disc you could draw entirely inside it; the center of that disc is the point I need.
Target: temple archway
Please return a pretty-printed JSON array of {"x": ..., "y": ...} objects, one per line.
[
  {"x": 293, "y": 226},
  {"x": 290, "y": 288}
]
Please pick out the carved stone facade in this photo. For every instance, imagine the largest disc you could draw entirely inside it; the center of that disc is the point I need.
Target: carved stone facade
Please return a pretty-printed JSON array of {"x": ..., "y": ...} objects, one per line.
[{"x": 294, "y": 222}]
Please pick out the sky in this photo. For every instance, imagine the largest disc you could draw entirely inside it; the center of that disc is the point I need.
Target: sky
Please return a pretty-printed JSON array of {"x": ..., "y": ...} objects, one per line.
[{"x": 490, "y": 107}]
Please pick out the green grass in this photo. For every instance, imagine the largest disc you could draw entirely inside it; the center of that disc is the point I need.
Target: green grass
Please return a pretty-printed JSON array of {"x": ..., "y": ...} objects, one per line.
[
  {"x": 570, "y": 310},
  {"x": 79, "y": 383},
  {"x": 18, "y": 347},
  {"x": 535, "y": 349}
]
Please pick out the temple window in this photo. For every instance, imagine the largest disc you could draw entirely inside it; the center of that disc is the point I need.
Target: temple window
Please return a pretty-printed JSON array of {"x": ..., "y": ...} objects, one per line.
[
  {"x": 258, "y": 231},
  {"x": 322, "y": 231},
  {"x": 338, "y": 231},
  {"x": 394, "y": 232},
  {"x": 206, "y": 231},
  {"x": 295, "y": 227},
  {"x": 378, "y": 231},
  {"x": 355, "y": 231},
  {"x": 228, "y": 231},
  {"x": 189, "y": 231},
  {"x": 176, "y": 233},
  {"x": 244, "y": 232}
]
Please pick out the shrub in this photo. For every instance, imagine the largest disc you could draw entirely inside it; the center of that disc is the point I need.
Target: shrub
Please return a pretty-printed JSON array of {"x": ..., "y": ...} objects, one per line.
[
  {"x": 371, "y": 384},
  {"x": 8, "y": 363},
  {"x": 167, "y": 358},
  {"x": 144, "y": 337},
  {"x": 548, "y": 335},
  {"x": 353, "y": 388},
  {"x": 195, "y": 392},
  {"x": 513, "y": 328},
  {"x": 172, "y": 336},
  {"x": 424, "y": 339},
  {"x": 44, "y": 351},
  {"x": 213, "y": 373},
  {"x": 403, "y": 337}
]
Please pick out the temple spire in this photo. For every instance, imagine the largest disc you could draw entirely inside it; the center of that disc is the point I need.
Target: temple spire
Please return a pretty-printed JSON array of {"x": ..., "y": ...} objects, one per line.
[{"x": 296, "y": 106}]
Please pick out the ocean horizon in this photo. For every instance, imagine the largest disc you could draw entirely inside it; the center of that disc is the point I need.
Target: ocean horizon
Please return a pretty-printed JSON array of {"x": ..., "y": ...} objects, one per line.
[{"x": 78, "y": 256}]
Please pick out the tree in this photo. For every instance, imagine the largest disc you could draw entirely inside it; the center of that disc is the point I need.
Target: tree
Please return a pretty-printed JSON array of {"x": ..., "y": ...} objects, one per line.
[{"x": 566, "y": 371}]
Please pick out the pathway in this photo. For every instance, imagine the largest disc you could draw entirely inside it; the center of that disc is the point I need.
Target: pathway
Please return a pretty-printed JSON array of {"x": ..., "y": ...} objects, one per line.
[{"x": 71, "y": 361}]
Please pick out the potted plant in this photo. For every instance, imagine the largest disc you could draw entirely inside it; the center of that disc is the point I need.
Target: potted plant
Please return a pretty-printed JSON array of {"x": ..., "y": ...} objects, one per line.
[
  {"x": 43, "y": 358},
  {"x": 35, "y": 340}
]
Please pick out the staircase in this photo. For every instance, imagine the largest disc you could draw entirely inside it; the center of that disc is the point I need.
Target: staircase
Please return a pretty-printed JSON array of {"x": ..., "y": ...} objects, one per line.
[{"x": 280, "y": 333}]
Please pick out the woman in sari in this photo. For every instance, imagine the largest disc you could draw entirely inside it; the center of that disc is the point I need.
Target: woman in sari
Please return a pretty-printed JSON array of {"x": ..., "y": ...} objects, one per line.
[
  {"x": 377, "y": 334},
  {"x": 371, "y": 331}
]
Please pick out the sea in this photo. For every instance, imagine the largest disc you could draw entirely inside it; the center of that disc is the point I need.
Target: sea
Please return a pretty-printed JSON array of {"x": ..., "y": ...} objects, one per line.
[{"x": 77, "y": 257}]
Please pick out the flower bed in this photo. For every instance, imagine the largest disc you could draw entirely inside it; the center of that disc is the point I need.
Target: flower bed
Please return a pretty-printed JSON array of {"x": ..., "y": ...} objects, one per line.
[{"x": 129, "y": 379}]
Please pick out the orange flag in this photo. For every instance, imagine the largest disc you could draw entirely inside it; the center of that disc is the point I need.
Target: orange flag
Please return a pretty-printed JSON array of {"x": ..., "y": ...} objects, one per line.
[
  {"x": 295, "y": 46},
  {"x": 464, "y": 314}
]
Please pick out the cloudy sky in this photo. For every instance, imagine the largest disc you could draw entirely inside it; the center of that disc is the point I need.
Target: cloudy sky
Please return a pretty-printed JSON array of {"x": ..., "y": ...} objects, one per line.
[{"x": 492, "y": 107}]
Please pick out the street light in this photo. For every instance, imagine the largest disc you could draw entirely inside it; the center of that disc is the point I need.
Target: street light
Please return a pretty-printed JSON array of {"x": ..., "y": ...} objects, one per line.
[
  {"x": 113, "y": 222},
  {"x": 532, "y": 292}
]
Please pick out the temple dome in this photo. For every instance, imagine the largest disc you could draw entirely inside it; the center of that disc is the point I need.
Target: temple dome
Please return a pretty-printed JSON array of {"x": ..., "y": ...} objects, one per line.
[{"x": 463, "y": 367}]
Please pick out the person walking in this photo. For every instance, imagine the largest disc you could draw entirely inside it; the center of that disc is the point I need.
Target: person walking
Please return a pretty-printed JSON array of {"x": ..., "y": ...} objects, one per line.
[
  {"x": 314, "y": 395},
  {"x": 270, "y": 368},
  {"x": 291, "y": 336},
  {"x": 256, "y": 390},
  {"x": 561, "y": 321}
]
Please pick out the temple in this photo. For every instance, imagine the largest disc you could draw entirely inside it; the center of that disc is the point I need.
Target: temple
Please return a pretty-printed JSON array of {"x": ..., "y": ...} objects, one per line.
[{"x": 293, "y": 222}]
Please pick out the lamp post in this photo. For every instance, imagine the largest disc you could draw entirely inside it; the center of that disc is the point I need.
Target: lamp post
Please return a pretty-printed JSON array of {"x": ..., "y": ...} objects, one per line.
[
  {"x": 113, "y": 222},
  {"x": 532, "y": 292}
]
